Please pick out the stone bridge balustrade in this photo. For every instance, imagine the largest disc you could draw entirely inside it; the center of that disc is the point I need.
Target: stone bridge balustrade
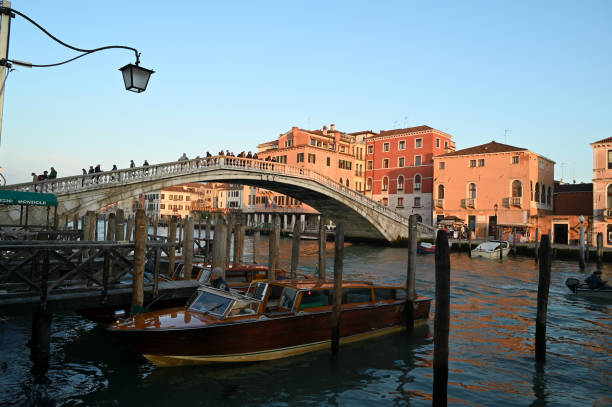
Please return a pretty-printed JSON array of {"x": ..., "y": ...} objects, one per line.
[{"x": 77, "y": 194}]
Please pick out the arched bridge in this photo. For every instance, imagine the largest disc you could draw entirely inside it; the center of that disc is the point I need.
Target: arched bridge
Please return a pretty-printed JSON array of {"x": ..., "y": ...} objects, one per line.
[{"x": 362, "y": 216}]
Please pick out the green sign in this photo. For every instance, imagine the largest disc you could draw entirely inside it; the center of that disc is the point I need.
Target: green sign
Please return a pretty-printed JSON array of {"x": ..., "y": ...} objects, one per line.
[{"x": 27, "y": 198}]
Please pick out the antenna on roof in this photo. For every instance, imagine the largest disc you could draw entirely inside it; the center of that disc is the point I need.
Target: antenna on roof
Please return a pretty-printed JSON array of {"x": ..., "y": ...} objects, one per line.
[
  {"x": 506, "y": 131},
  {"x": 562, "y": 165}
]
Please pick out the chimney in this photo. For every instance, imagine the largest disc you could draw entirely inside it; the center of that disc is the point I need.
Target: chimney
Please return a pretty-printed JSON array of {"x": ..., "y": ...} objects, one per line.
[{"x": 332, "y": 127}]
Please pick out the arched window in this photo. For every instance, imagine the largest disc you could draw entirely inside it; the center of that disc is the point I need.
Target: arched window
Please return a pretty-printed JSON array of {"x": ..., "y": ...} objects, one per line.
[
  {"x": 347, "y": 183},
  {"x": 537, "y": 192},
  {"x": 543, "y": 196},
  {"x": 400, "y": 183},
  {"x": 440, "y": 191},
  {"x": 341, "y": 183},
  {"x": 517, "y": 189},
  {"x": 369, "y": 184},
  {"x": 548, "y": 197},
  {"x": 385, "y": 184},
  {"x": 472, "y": 190},
  {"x": 419, "y": 218},
  {"x": 417, "y": 182}
]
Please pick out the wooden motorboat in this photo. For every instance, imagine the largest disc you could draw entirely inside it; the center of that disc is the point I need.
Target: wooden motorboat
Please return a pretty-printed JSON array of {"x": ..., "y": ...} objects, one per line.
[
  {"x": 490, "y": 249},
  {"x": 272, "y": 320},
  {"x": 583, "y": 290}
]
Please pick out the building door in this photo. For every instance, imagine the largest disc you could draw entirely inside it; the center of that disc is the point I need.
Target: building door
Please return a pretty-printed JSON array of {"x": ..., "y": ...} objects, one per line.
[
  {"x": 493, "y": 226},
  {"x": 561, "y": 233},
  {"x": 472, "y": 222}
]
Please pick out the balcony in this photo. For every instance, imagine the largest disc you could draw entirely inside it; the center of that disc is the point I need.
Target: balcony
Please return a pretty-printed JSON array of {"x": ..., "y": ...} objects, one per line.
[
  {"x": 515, "y": 201},
  {"x": 608, "y": 212},
  {"x": 468, "y": 203},
  {"x": 439, "y": 203}
]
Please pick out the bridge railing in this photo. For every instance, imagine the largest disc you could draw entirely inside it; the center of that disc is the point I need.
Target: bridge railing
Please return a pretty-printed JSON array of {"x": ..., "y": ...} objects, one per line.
[{"x": 86, "y": 182}]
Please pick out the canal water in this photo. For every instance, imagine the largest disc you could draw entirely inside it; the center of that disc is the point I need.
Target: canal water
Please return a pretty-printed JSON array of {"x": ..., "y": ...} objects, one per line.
[{"x": 491, "y": 350}]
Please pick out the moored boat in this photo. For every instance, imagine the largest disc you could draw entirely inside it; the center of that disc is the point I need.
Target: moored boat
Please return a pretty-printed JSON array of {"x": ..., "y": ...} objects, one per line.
[
  {"x": 428, "y": 248},
  {"x": 271, "y": 321},
  {"x": 583, "y": 290},
  {"x": 490, "y": 249}
]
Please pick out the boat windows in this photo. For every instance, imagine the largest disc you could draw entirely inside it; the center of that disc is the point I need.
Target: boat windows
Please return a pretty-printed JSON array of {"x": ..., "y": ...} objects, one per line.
[
  {"x": 400, "y": 294},
  {"x": 244, "y": 308},
  {"x": 316, "y": 298},
  {"x": 211, "y": 303},
  {"x": 353, "y": 295},
  {"x": 384, "y": 294},
  {"x": 288, "y": 298}
]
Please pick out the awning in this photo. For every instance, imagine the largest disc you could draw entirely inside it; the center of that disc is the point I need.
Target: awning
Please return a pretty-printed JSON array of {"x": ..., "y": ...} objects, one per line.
[
  {"x": 450, "y": 220},
  {"x": 27, "y": 198}
]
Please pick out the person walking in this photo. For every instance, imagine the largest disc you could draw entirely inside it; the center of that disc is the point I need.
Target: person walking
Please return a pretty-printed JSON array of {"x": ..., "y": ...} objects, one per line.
[
  {"x": 53, "y": 173},
  {"x": 91, "y": 169},
  {"x": 183, "y": 157},
  {"x": 132, "y": 164},
  {"x": 145, "y": 163}
]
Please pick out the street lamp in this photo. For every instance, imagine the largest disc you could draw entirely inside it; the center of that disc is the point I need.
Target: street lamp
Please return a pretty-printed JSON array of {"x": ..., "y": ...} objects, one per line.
[
  {"x": 135, "y": 77},
  {"x": 495, "y": 207}
]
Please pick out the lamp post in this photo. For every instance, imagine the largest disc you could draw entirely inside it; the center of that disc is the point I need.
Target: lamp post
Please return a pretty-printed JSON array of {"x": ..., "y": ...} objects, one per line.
[
  {"x": 135, "y": 77},
  {"x": 495, "y": 207}
]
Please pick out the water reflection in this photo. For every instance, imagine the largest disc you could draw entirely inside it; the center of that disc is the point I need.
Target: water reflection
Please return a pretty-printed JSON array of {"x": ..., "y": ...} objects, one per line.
[{"x": 491, "y": 361}]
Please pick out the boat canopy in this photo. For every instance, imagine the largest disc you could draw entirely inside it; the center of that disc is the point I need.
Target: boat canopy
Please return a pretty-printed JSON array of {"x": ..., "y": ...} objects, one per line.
[
  {"x": 8, "y": 197},
  {"x": 450, "y": 220}
]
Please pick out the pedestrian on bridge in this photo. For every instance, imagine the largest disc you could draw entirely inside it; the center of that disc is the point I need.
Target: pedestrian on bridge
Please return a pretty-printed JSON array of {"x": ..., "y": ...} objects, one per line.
[
  {"x": 183, "y": 157},
  {"x": 132, "y": 164},
  {"x": 145, "y": 163},
  {"x": 53, "y": 173}
]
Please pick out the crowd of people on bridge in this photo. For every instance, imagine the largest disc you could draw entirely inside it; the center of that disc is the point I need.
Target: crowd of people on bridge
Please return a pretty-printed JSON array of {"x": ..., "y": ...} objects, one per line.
[{"x": 93, "y": 172}]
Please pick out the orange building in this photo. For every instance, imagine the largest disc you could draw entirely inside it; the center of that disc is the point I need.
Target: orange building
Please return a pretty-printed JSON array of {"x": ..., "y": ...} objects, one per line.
[
  {"x": 493, "y": 187},
  {"x": 399, "y": 168},
  {"x": 328, "y": 152},
  {"x": 602, "y": 189}
]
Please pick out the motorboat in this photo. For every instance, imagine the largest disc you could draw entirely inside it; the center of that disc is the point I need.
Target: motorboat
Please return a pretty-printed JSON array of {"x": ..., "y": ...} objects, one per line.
[
  {"x": 271, "y": 320},
  {"x": 583, "y": 290},
  {"x": 490, "y": 249},
  {"x": 428, "y": 248}
]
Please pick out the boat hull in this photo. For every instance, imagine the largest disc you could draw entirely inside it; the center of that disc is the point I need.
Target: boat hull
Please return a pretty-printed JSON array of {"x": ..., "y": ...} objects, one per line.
[
  {"x": 270, "y": 337},
  {"x": 494, "y": 255}
]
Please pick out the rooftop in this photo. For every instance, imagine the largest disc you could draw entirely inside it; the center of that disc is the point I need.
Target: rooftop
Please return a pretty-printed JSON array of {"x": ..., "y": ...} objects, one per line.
[
  {"x": 606, "y": 140},
  {"x": 489, "y": 148},
  {"x": 582, "y": 187}
]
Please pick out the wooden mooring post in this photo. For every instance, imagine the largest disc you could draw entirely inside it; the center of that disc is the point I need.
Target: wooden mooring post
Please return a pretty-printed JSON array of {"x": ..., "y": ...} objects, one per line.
[
  {"x": 207, "y": 237},
  {"x": 237, "y": 244},
  {"x": 110, "y": 231},
  {"x": 543, "y": 289},
  {"x": 581, "y": 263},
  {"x": 119, "y": 225},
  {"x": 231, "y": 221},
  {"x": 139, "y": 261},
  {"x": 441, "y": 320},
  {"x": 40, "y": 343},
  {"x": 337, "y": 307},
  {"x": 273, "y": 246},
  {"x": 129, "y": 229},
  {"x": 321, "y": 265},
  {"x": 411, "y": 273},
  {"x": 218, "y": 249},
  {"x": 599, "y": 250},
  {"x": 171, "y": 250},
  {"x": 188, "y": 248},
  {"x": 469, "y": 242},
  {"x": 295, "y": 247}
]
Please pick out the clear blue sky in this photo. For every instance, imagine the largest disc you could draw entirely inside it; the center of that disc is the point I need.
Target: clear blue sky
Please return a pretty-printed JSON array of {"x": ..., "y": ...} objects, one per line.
[{"x": 235, "y": 74}]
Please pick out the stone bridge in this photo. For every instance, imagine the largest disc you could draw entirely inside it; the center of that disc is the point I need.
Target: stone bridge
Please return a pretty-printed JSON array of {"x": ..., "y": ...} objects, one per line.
[{"x": 362, "y": 216}]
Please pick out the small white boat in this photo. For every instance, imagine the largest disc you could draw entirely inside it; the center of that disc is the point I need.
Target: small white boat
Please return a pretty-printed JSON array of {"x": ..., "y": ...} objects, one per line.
[
  {"x": 490, "y": 250},
  {"x": 583, "y": 289}
]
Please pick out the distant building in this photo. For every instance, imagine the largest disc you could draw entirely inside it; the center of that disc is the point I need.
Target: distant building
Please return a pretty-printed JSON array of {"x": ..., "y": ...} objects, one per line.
[
  {"x": 570, "y": 201},
  {"x": 399, "y": 168},
  {"x": 493, "y": 187},
  {"x": 180, "y": 200},
  {"x": 602, "y": 189}
]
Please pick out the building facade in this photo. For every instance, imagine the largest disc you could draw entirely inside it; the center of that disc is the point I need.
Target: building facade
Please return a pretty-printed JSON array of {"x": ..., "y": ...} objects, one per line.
[
  {"x": 399, "y": 168},
  {"x": 494, "y": 187},
  {"x": 602, "y": 189}
]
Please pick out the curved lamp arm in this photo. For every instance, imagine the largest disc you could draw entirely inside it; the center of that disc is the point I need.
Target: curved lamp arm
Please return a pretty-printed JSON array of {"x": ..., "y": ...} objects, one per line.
[{"x": 4, "y": 62}]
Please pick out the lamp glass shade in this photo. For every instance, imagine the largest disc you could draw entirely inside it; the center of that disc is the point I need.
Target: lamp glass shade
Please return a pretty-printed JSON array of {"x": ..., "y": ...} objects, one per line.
[{"x": 135, "y": 77}]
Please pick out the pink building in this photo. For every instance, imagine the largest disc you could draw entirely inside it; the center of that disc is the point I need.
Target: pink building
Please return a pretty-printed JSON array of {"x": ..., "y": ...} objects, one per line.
[
  {"x": 399, "y": 168},
  {"x": 602, "y": 189},
  {"x": 492, "y": 187}
]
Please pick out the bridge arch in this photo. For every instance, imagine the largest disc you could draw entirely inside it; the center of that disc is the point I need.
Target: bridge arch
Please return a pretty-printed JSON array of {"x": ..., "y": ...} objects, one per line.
[{"x": 362, "y": 216}]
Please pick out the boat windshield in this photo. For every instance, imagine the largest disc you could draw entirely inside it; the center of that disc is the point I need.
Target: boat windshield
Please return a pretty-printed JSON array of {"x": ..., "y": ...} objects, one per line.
[
  {"x": 288, "y": 298},
  {"x": 211, "y": 303}
]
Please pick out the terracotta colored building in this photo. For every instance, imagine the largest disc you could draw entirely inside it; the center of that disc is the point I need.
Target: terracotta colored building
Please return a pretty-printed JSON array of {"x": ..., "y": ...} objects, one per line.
[
  {"x": 493, "y": 187},
  {"x": 602, "y": 189},
  {"x": 570, "y": 201},
  {"x": 329, "y": 152},
  {"x": 399, "y": 168}
]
